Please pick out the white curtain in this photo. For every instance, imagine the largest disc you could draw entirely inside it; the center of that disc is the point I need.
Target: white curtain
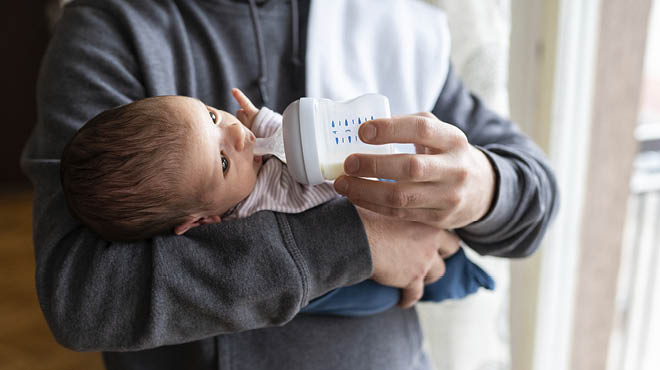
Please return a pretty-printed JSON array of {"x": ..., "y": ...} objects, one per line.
[{"x": 473, "y": 333}]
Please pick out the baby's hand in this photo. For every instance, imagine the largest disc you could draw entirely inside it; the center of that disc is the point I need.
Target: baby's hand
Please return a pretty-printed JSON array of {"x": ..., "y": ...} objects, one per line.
[{"x": 248, "y": 111}]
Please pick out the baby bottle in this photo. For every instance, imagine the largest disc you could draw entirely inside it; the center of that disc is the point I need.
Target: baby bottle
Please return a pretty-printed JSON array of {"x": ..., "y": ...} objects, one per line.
[{"x": 319, "y": 134}]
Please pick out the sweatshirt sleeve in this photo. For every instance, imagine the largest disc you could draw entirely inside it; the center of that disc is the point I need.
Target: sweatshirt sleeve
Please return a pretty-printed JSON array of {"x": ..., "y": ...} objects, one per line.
[
  {"x": 526, "y": 195},
  {"x": 227, "y": 277}
]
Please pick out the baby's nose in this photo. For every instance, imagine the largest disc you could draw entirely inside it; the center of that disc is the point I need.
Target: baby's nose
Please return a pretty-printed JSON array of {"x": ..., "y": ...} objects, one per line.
[{"x": 237, "y": 134}]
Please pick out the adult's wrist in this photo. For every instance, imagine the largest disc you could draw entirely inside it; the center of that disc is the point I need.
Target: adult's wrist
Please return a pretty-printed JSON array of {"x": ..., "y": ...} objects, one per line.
[
  {"x": 488, "y": 181},
  {"x": 501, "y": 207}
]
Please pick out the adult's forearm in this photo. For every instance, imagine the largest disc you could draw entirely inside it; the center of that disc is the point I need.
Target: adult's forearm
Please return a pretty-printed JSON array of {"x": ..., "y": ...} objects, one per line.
[
  {"x": 234, "y": 276},
  {"x": 522, "y": 208},
  {"x": 526, "y": 194}
]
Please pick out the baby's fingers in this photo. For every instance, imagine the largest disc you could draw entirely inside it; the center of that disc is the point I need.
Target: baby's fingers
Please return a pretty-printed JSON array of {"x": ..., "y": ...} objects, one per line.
[
  {"x": 244, "y": 102},
  {"x": 243, "y": 117}
]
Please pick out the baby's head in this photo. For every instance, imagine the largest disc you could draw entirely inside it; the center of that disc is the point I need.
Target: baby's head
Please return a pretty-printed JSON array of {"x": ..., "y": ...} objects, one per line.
[{"x": 157, "y": 165}]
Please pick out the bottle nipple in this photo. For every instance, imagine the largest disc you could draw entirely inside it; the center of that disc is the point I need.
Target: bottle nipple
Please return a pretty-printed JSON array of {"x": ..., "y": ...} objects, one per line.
[{"x": 273, "y": 145}]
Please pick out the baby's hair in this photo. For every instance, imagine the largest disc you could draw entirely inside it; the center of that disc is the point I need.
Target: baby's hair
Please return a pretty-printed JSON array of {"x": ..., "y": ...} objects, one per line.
[{"x": 122, "y": 172}]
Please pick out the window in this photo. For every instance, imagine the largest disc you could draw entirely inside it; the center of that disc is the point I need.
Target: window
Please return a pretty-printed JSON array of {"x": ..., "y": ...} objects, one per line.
[{"x": 636, "y": 331}]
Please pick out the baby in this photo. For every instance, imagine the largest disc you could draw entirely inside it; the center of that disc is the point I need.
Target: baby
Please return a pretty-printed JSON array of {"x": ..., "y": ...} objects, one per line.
[{"x": 172, "y": 163}]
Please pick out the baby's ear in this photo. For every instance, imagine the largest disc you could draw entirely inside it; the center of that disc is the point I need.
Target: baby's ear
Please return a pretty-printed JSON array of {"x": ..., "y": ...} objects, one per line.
[
  {"x": 192, "y": 222},
  {"x": 210, "y": 220}
]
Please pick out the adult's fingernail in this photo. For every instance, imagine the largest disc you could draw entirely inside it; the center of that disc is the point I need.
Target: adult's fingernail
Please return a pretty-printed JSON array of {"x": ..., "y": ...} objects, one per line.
[
  {"x": 368, "y": 132},
  {"x": 352, "y": 165},
  {"x": 341, "y": 185}
]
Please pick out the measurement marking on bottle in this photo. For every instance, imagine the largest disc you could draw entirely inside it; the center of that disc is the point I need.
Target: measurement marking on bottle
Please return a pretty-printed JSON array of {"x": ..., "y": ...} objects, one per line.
[{"x": 348, "y": 139}]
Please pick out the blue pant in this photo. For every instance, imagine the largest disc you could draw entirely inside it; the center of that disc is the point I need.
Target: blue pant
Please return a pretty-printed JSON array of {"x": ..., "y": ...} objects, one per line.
[{"x": 462, "y": 277}]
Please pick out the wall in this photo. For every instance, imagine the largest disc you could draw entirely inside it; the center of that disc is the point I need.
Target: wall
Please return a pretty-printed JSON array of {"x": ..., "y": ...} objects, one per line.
[{"x": 24, "y": 34}]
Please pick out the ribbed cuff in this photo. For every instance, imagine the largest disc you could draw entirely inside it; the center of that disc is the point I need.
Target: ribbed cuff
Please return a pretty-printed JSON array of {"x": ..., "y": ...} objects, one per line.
[{"x": 503, "y": 206}]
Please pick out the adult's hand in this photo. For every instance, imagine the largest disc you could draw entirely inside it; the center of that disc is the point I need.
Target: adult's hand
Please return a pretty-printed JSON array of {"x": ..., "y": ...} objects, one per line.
[
  {"x": 447, "y": 184},
  {"x": 406, "y": 254}
]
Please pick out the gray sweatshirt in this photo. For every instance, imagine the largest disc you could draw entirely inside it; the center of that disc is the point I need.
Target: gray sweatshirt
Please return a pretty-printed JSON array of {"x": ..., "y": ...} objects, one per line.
[{"x": 227, "y": 295}]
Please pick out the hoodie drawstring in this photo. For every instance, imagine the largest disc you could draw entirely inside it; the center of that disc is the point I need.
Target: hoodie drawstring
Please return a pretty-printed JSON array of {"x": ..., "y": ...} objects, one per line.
[
  {"x": 261, "y": 51},
  {"x": 295, "y": 30},
  {"x": 256, "y": 26}
]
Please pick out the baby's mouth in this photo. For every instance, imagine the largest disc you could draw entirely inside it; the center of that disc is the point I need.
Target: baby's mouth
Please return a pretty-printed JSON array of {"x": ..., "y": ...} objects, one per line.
[{"x": 250, "y": 140}]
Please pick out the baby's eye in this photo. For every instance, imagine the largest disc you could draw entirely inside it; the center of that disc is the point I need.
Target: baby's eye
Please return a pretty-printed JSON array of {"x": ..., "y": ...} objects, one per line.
[
  {"x": 225, "y": 164},
  {"x": 214, "y": 118}
]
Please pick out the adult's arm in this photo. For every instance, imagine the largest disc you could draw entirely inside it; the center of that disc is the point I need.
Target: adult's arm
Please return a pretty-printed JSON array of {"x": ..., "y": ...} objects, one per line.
[
  {"x": 526, "y": 194},
  {"x": 232, "y": 276},
  {"x": 474, "y": 171}
]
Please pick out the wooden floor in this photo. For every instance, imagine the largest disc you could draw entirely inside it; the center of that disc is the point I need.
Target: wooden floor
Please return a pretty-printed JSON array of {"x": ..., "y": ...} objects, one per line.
[{"x": 25, "y": 341}]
